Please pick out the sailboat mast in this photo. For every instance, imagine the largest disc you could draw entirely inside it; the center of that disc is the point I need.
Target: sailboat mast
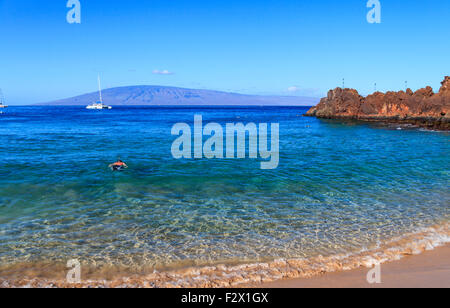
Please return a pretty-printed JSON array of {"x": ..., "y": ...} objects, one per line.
[
  {"x": 2, "y": 100},
  {"x": 100, "y": 89}
]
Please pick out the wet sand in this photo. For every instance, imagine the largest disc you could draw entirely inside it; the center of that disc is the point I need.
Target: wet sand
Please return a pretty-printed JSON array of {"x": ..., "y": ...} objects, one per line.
[
  {"x": 420, "y": 259},
  {"x": 430, "y": 269}
]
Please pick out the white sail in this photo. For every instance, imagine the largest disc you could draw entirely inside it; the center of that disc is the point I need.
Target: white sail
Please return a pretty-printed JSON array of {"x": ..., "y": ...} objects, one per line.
[
  {"x": 100, "y": 89},
  {"x": 2, "y": 100},
  {"x": 99, "y": 105}
]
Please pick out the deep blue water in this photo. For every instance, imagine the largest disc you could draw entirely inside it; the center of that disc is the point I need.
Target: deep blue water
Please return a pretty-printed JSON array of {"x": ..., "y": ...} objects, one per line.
[{"x": 339, "y": 187}]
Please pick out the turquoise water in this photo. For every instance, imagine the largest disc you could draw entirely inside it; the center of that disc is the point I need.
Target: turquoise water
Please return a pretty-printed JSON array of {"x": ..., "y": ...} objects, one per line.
[{"x": 340, "y": 187}]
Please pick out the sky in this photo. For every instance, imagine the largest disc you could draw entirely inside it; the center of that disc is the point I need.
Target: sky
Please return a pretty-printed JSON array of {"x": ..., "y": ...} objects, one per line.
[{"x": 276, "y": 47}]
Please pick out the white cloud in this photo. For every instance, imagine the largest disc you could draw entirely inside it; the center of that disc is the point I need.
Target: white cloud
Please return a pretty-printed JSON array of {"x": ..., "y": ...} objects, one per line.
[
  {"x": 293, "y": 89},
  {"x": 163, "y": 72}
]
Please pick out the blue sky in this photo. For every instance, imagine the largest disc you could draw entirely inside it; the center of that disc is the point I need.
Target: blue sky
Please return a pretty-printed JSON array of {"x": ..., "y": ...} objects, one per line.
[{"x": 257, "y": 47}]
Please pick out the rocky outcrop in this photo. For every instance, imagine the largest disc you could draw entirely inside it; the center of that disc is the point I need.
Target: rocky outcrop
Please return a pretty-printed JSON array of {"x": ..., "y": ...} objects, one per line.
[
  {"x": 422, "y": 108},
  {"x": 445, "y": 86}
]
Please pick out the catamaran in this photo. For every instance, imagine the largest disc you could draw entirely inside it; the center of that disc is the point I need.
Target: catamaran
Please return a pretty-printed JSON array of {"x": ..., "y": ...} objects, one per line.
[
  {"x": 99, "y": 104},
  {"x": 2, "y": 100}
]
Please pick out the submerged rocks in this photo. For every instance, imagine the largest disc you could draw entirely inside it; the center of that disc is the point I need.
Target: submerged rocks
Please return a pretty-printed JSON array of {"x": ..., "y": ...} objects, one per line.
[{"x": 422, "y": 108}]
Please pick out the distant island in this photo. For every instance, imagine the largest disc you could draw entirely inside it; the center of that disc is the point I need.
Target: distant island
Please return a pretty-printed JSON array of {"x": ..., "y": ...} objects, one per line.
[
  {"x": 422, "y": 108},
  {"x": 172, "y": 96}
]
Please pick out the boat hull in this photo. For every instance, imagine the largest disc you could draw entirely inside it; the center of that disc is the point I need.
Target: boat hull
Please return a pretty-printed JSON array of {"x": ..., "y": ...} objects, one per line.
[{"x": 99, "y": 107}]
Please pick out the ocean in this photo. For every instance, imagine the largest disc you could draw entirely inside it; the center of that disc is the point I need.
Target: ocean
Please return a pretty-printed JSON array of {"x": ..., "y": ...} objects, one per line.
[{"x": 343, "y": 192}]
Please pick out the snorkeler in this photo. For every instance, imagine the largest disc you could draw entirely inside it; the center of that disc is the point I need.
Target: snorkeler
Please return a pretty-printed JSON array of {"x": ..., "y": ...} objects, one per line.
[{"x": 118, "y": 165}]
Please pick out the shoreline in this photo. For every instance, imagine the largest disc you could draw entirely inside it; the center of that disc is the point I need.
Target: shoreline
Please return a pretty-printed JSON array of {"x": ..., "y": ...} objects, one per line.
[
  {"x": 273, "y": 274},
  {"x": 431, "y": 269},
  {"x": 432, "y": 124}
]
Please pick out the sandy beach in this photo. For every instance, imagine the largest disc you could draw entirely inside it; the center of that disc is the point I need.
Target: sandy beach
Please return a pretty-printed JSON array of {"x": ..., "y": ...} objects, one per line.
[
  {"x": 418, "y": 260},
  {"x": 430, "y": 269}
]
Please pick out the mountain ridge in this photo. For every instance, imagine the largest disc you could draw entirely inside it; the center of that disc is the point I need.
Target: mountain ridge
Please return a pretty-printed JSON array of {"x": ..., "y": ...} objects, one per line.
[{"x": 152, "y": 95}]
